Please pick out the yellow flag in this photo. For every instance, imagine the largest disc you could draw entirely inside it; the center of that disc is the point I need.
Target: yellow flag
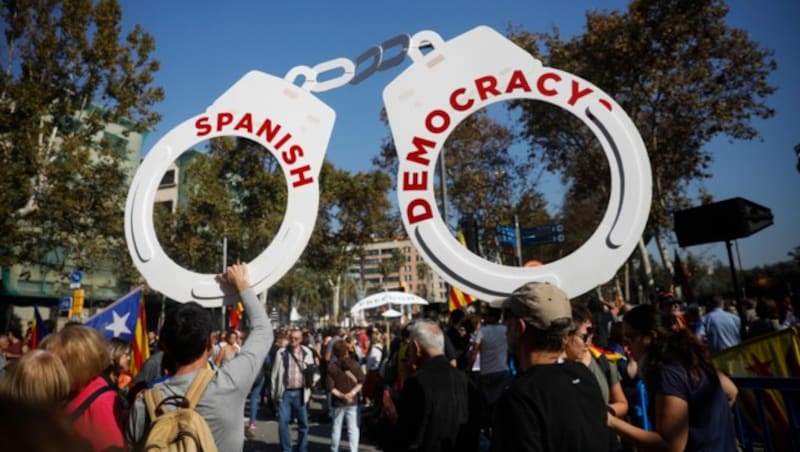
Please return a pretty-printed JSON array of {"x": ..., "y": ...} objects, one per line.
[{"x": 772, "y": 355}]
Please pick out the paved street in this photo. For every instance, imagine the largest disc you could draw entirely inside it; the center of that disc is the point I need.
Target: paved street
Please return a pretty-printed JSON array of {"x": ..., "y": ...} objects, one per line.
[{"x": 319, "y": 438}]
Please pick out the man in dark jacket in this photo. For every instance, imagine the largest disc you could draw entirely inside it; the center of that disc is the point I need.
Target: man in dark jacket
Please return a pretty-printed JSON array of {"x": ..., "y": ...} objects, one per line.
[
  {"x": 553, "y": 405},
  {"x": 437, "y": 407}
]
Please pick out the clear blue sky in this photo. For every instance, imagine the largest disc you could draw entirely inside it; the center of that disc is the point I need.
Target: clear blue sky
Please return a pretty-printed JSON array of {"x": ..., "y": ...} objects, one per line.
[{"x": 204, "y": 47}]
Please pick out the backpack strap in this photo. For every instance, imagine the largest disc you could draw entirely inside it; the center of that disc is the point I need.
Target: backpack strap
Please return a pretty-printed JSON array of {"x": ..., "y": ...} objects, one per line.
[
  {"x": 155, "y": 404},
  {"x": 152, "y": 401},
  {"x": 88, "y": 401},
  {"x": 198, "y": 387}
]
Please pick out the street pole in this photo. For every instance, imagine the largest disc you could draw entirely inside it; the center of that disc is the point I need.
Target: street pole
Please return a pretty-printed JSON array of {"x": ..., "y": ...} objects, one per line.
[
  {"x": 518, "y": 241},
  {"x": 735, "y": 280},
  {"x": 224, "y": 269}
]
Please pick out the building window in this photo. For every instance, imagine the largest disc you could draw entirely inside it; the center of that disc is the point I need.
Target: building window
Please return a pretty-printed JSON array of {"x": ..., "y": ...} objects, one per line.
[
  {"x": 166, "y": 206},
  {"x": 168, "y": 180},
  {"x": 115, "y": 143}
]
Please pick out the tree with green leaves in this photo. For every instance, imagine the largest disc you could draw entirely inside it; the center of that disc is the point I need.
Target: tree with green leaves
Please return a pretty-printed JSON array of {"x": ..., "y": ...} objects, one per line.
[
  {"x": 237, "y": 190},
  {"x": 391, "y": 265},
  {"x": 678, "y": 69},
  {"x": 795, "y": 254},
  {"x": 73, "y": 87},
  {"x": 356, "y": 211},
  {"x": 484, "y": 179}
]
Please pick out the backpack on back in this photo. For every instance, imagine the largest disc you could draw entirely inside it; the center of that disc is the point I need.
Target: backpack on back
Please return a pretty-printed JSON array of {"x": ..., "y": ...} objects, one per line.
[{"x": 181, "y": 429}]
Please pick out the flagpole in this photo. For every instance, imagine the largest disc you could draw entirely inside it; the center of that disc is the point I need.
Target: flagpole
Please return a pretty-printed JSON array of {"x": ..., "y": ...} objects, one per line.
[
  {"x": 518, "y": 240},
  {"x": 224, "y": 263}
]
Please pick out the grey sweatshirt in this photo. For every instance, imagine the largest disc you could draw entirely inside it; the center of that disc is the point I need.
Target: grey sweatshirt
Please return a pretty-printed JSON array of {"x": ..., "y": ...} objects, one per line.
[{"x": 222, "y": 405}]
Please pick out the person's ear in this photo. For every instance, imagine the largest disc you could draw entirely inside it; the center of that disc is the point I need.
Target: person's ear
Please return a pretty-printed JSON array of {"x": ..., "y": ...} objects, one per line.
[
  {"x": 210, "y": 344},
  {"x": 522, "y": 326}
]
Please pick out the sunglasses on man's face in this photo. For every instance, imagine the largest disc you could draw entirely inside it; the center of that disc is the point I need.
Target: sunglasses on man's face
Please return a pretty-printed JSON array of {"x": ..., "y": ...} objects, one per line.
[{"x": 585, "y": 336}]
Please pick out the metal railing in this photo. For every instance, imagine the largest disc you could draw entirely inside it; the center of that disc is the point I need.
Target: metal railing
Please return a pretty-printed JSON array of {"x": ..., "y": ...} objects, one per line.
[{"x": 767, "y": 413}]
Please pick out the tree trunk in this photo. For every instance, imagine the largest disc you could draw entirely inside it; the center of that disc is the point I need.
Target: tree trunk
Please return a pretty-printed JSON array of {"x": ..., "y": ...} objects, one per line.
[
  {"x": 662, "y": 249},
  {"x": 648, "y": 268},
  {"x": 334, "y": 318}
]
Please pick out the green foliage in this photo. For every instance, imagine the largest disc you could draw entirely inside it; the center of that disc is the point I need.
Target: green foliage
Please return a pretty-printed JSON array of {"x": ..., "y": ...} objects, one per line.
[
  {"x": 795, "y": 254},
  {"x": 485, "y": 179},
  {"x": 681, "y": 73},
  {"x": 67, "y": 73},
  {"x": 237, "y": 190}
]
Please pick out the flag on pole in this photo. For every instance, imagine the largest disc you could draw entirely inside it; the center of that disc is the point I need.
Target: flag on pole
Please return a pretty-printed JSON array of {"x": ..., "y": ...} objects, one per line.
[
  {"x": 125, "y": 319},
  {"x": 38, "y": 329},
  {"x": 458, "y": 299}
]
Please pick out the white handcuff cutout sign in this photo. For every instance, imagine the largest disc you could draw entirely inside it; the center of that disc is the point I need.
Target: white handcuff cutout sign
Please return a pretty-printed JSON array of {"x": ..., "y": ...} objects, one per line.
[
  {"x": 289, "y": 121},
  {"x": 426, "y": 102},
  {"x": 423, "y": 104}
]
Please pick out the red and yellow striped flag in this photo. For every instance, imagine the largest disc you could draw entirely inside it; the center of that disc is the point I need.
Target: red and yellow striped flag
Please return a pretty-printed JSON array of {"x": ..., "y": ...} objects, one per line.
[
  {"x": 458, "y": 299},
  {"x": 140, "y": 342}
]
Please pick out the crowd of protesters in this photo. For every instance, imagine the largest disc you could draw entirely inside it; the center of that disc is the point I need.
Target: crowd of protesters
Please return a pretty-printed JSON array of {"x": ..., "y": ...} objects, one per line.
[{"x": 530, "y": 372}]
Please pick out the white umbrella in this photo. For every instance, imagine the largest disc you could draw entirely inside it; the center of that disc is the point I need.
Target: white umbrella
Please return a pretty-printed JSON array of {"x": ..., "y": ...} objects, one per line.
[
  {"x": 384, "y": 298},
  {"x": 391, "y": 313}
]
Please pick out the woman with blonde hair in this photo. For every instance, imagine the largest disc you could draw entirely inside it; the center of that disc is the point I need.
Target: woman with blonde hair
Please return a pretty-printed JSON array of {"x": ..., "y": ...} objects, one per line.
[
  {"x": 39, "y": 377},
  {"x": 94, "y": 407},
  {"x": 120, "y": 360}
]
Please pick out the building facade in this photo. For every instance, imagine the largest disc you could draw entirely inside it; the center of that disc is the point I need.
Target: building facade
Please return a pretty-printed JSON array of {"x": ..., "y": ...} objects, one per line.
[{"x": 413, "y": 274}]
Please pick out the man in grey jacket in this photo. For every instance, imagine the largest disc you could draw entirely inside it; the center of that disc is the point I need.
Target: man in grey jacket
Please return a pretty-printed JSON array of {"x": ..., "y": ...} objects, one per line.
[
  {"x": 186, "y": 338},
  {"x": 289, "y": 390}
]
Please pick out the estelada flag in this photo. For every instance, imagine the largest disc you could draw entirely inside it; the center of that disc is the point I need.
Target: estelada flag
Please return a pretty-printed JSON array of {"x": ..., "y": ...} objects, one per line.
[
  {"x": 458, "y": 299},
  {"x": 38, "y": 329},
  {"x": 771, "y": 355},
  {"x": 125, "y": 319},
  {"x": 609, "y": 354}
]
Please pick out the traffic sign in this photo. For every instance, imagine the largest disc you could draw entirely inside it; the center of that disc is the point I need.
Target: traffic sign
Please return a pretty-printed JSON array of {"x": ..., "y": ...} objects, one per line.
[
  {"x": 64, "y": 303},
  {"x": 537, "y": 235},
  {"x": 76, "y": 276}
]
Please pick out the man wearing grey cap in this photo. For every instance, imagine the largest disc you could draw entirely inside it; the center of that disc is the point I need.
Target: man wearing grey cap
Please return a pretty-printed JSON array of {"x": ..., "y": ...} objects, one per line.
[{"x": 553, "y": 405}]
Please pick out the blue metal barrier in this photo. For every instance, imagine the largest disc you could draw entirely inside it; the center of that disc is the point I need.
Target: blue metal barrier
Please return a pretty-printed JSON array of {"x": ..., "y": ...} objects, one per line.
[{"x": 762, "y": 437}]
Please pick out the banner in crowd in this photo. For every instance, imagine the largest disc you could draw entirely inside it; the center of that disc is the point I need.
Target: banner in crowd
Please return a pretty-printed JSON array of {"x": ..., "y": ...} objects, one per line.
[
  {"x": 458, "y": 299},
  {"x": 125, "y": 319},
  {"x": 772, "y": 355},
  {"x": 38, "y": 329}
]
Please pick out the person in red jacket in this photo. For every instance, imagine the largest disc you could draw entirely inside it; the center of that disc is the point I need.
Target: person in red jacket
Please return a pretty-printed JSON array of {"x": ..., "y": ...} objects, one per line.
[{"x": 95, "y": 407}]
